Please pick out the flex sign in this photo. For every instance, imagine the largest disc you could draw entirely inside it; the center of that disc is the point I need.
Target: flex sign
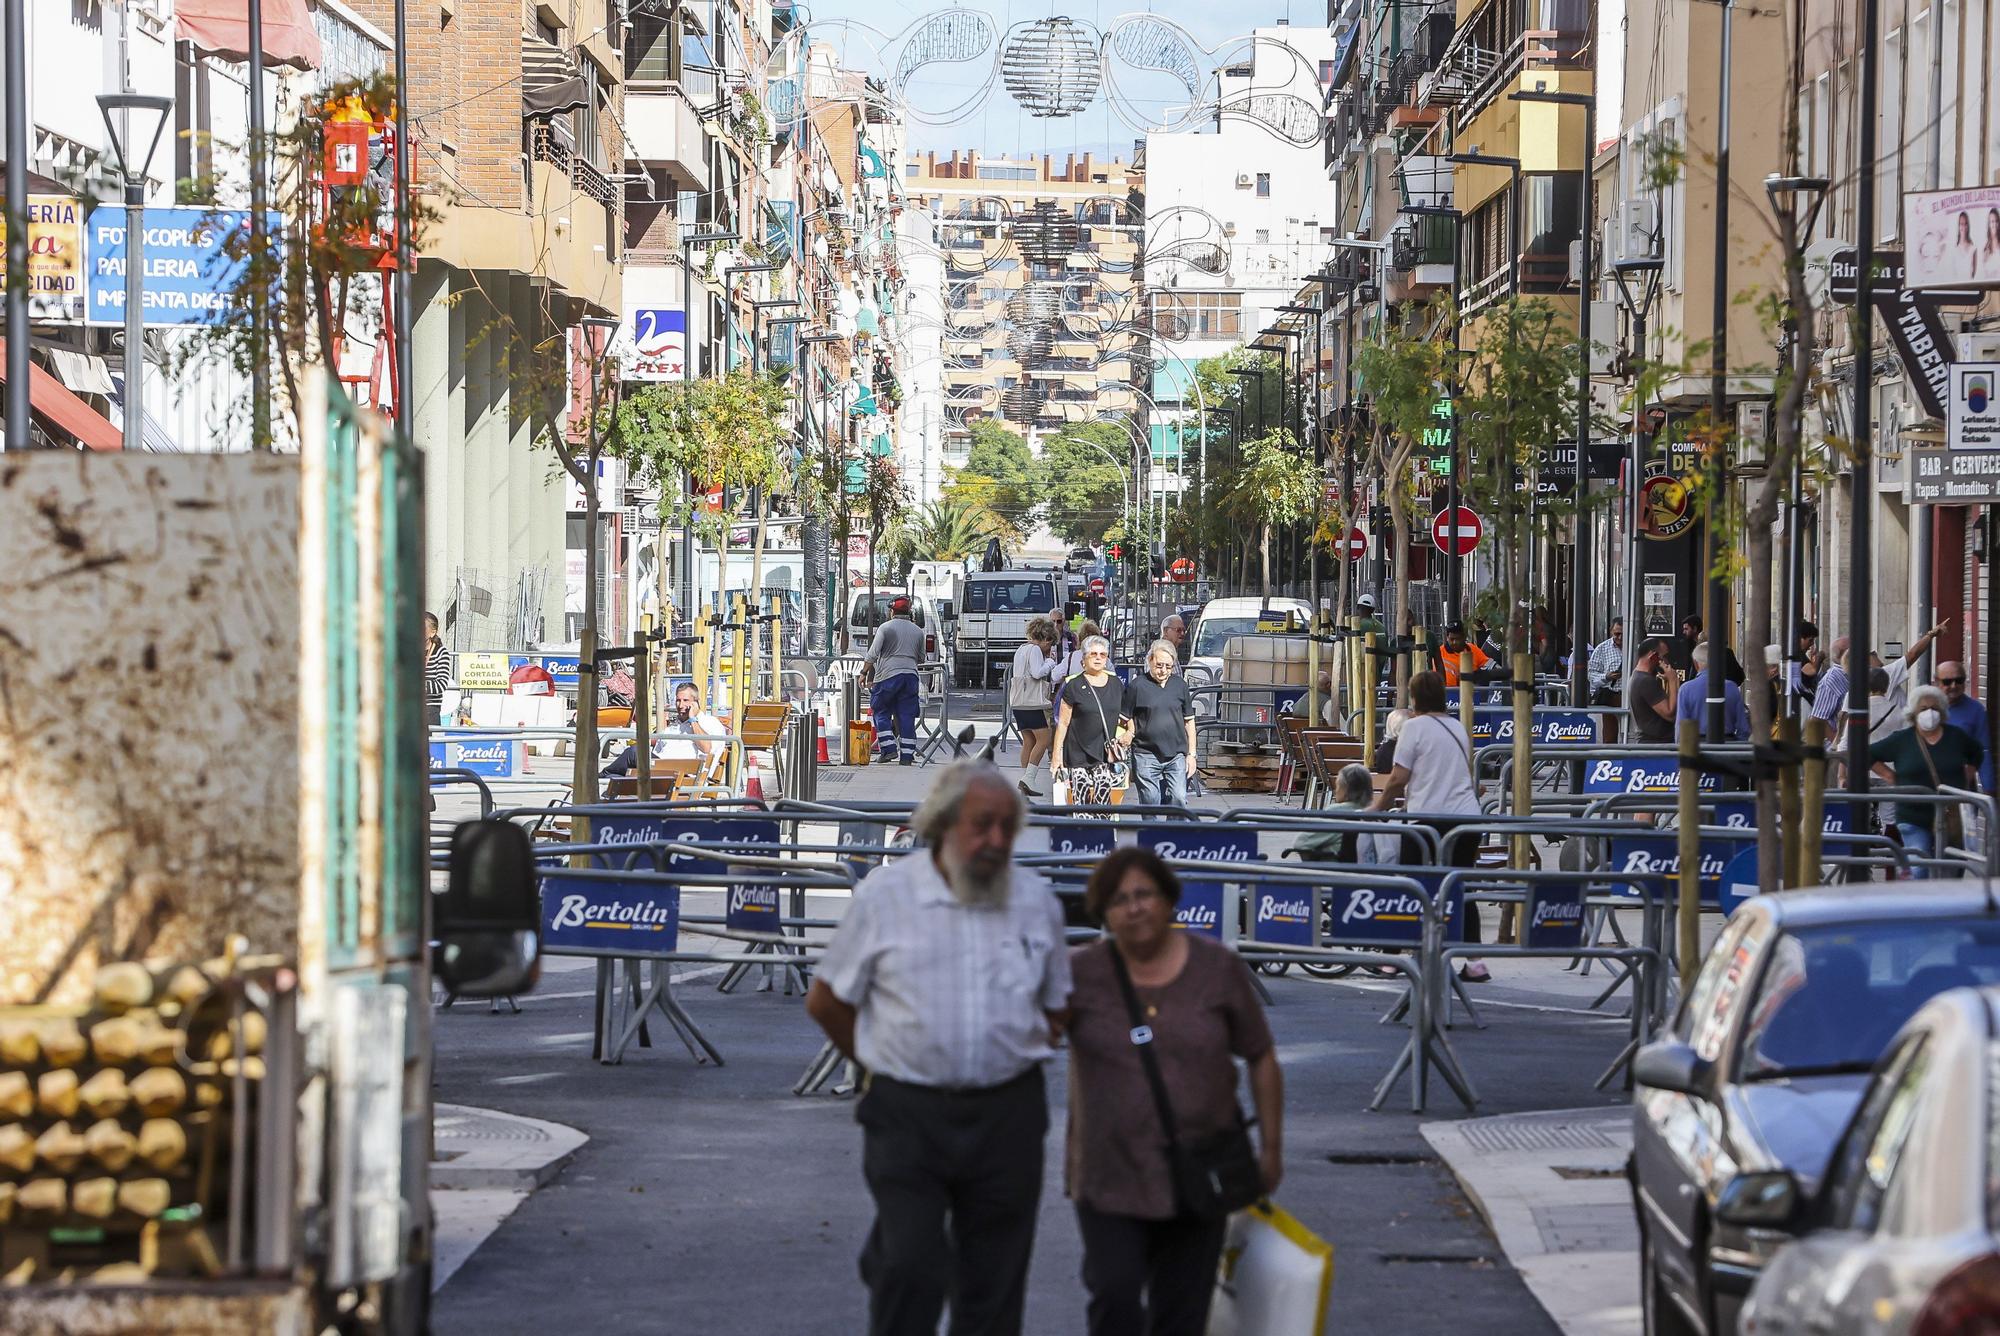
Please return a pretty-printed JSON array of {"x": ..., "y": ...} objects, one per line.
[
  {"x": 1202, "y": 900},
  {"x": 603, "y": 916},
  {"x": 188, "y": 273}
]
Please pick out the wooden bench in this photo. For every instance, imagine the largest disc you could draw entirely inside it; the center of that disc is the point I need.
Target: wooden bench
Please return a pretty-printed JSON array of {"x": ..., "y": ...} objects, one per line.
[
  {"x": 668, "y": 778},
  {"x": 1328, "y": 753},
  {"x": 762, "y": 726}
]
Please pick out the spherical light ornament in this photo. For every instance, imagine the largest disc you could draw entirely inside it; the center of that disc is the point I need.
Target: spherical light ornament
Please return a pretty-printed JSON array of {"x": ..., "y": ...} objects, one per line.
[
  {"x": 1037, "y": 304},
  {"x": 1045, "y": 234},
  {"x": 1022, "y": 403},
  {"x": 1029, "y": 343},
  {"x": 1052, "y": 67}
]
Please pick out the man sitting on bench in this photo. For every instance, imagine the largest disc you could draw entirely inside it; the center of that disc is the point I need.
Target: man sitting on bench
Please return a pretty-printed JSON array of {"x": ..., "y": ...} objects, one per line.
[{"x": 688, "y": 717}]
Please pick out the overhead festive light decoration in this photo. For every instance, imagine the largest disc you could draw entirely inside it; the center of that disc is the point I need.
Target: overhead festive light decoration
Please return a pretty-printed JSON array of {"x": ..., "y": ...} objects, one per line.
[
  {"x": 1029, "y": 343},
  {"x": 1037, "y": 304},
  {"x": 1046, "y": 234},
  {"x": 1022, "y": 403},
  {"x": 1052, "y": 67}
]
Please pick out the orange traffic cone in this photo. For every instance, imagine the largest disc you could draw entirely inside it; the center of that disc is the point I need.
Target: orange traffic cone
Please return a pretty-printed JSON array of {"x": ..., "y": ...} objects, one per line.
[
  {"x": 753, "y": 787},
  {"x": 819, "y": 725}
]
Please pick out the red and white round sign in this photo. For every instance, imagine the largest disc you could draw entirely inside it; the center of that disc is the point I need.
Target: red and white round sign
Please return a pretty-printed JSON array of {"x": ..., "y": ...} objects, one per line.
[
  {"x": 1182, "y": 570},
  {"x": 1356, "y": 544},
  {"x": 1459, "y": 538},
  {"x": 1097, "y": 585}
]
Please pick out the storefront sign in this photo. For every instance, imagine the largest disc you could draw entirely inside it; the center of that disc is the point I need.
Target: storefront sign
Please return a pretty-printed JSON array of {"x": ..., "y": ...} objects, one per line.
[
  {"x": 653, "y": 345},
  {"x": 1954, "y": 237},
  {"x": 1911, "y": 314},
  {"x": 55, "y": 258},
  {"x": 1965, "y": 470},
  {"x": 190, "y": 272}
]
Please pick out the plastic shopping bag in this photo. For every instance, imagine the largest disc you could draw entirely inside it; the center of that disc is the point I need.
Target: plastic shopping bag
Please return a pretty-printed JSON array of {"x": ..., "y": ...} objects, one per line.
[{"x": 1275, "y": 1279}]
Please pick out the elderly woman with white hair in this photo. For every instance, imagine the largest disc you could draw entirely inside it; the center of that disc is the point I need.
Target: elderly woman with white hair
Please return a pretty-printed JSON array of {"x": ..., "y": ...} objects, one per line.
[
  {"x": 1092, "y": 731},
  {"x": 1160, "y": 712},
  {"x": 1930, "y": 754}
]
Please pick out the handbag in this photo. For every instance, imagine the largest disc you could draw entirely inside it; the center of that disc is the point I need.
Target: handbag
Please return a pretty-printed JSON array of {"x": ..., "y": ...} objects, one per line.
[
  {"x": 1950, "y": 824},
  {"x": 1216, "y": 1175}
]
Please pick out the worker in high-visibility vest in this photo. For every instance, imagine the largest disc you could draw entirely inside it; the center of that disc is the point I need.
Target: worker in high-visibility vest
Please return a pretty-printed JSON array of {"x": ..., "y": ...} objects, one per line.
[{"x": 1447, "y": 656}]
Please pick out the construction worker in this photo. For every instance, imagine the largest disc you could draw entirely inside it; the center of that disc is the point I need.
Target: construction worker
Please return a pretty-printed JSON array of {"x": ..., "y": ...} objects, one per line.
[
  {"x": 894, "y": 659},
  {"x": 1448, "y": 656}
]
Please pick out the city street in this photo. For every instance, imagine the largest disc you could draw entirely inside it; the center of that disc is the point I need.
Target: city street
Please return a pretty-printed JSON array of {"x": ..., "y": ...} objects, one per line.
[{"x": 692, "y": 1172}]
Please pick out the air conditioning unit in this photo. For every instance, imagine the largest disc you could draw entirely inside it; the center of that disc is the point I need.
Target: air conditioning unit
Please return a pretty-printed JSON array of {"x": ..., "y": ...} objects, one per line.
[
  {"x": 1979, "y": 345},
  {"x": 1242, "y": 178},
  {"x": 1638, "y": 235}
]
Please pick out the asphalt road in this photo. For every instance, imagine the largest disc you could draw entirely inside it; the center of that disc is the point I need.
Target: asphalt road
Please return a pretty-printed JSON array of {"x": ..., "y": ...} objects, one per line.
[{"x": 713, "y": 1200}]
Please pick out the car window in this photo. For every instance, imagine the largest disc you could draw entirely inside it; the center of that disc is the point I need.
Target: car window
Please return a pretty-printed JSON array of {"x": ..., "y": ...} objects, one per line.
[
  {"x": 1834, "y": 995},
  {"x": 1218, "y": 631},
  {"x": 975, "y": 597},
  {"x": 1847, "y": 1174},
  {"x": 1705, "y": 1020},
  {"x": 1022, "y": 596}
]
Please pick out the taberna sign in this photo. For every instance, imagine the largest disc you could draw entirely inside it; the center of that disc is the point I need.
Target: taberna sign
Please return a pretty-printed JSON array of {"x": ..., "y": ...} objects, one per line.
[{"x": 607, "y": 916}]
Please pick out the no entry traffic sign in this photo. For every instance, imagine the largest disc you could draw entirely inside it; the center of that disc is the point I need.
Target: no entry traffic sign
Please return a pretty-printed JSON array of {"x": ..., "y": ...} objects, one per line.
[
  {"x": 1459, "y": 538},
  {"x": 1097, "y": 585},
  {"x": 1356, "y": 545},
  {"x": 1182, "y": 570}
]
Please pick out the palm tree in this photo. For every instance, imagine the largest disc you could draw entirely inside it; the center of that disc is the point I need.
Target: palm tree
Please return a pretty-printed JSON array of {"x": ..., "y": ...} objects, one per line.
[{"x": 946, "y": 529}]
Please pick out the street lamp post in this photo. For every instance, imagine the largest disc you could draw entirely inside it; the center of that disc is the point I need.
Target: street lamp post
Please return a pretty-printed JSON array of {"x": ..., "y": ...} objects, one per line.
[
  {"x": 1454, "y": 564},
  {"x": 125, "y": 121},
  {"x": 1638, "y": 289},
  {"x": 1783, "y": 192},
  {"x": 1861, "y": 479},
  {"x": 1580, "y": 592},
  {"x": 17, "y": 226}
]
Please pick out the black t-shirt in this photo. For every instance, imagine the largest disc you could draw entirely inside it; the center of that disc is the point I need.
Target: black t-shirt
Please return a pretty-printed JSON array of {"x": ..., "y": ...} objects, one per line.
[
  {"x": 1955, "y": 752},
  {"x": 1159, "y": 714},
  {"x": 1647, "y": 692},
  {"x": 1093, "y": 718}
]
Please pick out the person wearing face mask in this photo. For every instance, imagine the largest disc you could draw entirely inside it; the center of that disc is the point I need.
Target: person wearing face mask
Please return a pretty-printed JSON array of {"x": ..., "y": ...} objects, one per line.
[
  {"x": 1930, "y": 754},
  {"x": 1160, "y": 713}
]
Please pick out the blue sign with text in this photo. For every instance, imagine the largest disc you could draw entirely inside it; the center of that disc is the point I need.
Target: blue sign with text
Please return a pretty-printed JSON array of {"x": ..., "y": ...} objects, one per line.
[
  {"x": 752, "y": 909},
  {"x": 1550, "y": 727},
  {"x": 606, "y": 916},
  {"x": 665, "y": 828},
  {"x": 1368, "y": 916},
  {"x": 1082, "y": 837},
  {"x": 1202, "y": 898},
  {"x": 1282, "y": 914},
  {"x": 1555, "y": 917},
  {"x": 561, "y": 667},
  {"x": 189, "y": 270},
  {"x": 1641, "y": 774}
]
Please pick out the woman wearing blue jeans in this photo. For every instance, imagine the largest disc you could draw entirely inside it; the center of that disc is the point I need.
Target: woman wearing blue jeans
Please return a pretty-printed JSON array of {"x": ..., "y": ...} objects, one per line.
[
  {"x": 1929, "y": 754},
  {"x": 1161, "y": 712}
]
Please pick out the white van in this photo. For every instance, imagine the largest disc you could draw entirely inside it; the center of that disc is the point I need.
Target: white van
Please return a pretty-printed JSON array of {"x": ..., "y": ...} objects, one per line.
[
  {"x": 1223, "y": 619},
  {"x": 994, "y": 609}
]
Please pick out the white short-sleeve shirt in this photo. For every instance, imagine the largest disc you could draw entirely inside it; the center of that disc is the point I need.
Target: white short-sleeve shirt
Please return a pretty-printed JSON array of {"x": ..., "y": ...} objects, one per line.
[
  {"x": 1434, "y": 750},
  {"x": 948, "y": 995}
]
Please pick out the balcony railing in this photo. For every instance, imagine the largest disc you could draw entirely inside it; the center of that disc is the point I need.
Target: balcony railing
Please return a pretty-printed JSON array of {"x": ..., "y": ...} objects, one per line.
[{"x": 545, "y": 146}]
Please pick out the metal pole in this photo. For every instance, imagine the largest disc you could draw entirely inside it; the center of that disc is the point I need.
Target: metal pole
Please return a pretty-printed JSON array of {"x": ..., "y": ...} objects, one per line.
[
  {"x": 1453, "y": 588},
  {"x": 135, "y": 322},
  {"x": 17, "y": 226},
  {"x": 1718, "y": 399},
  {"x": 406, "y": 260},
  {"x": 1635, "y": 469},
  {"x": 1580, "y": 580},
  {"x": 1922, "y": 526},
  {"x": 1861, "y": 480},
  {"x": 260, "y": 332}
]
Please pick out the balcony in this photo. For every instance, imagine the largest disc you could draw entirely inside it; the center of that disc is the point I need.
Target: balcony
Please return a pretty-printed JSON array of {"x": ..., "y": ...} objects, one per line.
[
  {"x": 666, "y": 133},
  {"x": 1421, "y": 241}
]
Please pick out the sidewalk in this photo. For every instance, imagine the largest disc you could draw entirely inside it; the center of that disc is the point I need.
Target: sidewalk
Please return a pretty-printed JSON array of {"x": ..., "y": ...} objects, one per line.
[
  {"x": 486, "y": 1165},
  {"x": 1552, "y": 1188}
]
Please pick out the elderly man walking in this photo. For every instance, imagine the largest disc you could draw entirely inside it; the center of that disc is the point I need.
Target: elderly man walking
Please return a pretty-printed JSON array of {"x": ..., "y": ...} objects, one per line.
[{"x": 947, "y": 981}]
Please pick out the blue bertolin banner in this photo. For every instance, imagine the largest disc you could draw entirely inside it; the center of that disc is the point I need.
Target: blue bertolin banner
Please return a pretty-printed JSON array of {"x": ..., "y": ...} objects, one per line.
[
  {"x": 561, "y": 667},
  {"x": 665, "y": 828},
  {"x": 1082, "y": 837},
  {"x": 1641, "y": 774},
  {"x": 603, "y": 916},
  {"x": 1661, "y": 853},
  {"x": 752, "y": 909},
  {"x": 1202, "y": 899},
  {"x": 487, "y": 757},
  {"x": 1555, "y": 917},
  {"x": 1389, "y": 916},
  {"x": 1282, "y": 915},
  {"x": 1550, "y": 727}
]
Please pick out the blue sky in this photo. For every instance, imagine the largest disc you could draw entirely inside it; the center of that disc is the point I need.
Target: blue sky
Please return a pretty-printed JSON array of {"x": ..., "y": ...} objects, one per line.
[{"x": 995, "y": 124}]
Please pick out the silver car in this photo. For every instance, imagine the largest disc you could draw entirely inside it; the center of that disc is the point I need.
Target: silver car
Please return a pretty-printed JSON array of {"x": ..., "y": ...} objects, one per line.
[{"x": 1904, "y": 1237}]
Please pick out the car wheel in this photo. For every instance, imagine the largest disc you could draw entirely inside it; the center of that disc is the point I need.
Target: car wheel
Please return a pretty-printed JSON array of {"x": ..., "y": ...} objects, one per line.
[{"x": 1660, "y": 1315}]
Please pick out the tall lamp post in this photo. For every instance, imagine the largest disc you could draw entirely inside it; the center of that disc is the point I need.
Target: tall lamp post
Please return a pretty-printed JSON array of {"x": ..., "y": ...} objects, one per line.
[
  {"x": 1454, "y": 564},
  {"x": 125, "y": 122},
  {"x": 1638, "y": 289},
  {"x": 1579, "y": 681},
  {"x": 1861, "y": 478},
  {"x": 17, "y": 225}
]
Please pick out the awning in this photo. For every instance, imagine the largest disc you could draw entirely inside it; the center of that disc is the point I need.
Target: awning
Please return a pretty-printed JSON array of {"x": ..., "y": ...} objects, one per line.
[
  {"x": 222, "y": 28},
  {"x": 551, "y": 84},
  {"x": 58, "y": 407},
  {"x": 82, "y": 372}
]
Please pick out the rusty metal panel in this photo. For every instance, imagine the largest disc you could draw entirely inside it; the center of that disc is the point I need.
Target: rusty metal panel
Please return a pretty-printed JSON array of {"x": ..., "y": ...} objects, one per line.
[{"x": 149, "y": 650}]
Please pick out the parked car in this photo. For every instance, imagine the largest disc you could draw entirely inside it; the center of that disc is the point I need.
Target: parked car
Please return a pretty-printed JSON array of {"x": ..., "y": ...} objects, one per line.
[
  {"x": 1765, "y": 1065},
  {"x": 864, "y": 616},
  {"x": 1906, "y": 1226}
]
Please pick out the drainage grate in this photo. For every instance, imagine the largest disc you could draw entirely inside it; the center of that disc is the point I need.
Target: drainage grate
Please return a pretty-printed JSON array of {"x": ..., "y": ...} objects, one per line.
[
  {"x": 1381, "y": 1157},
  {"x": 1434, "y": 1259},
  {"x": 1529, "y": 1133},
  {"x": 466, "y": 1124},
  {"x": 1578, "y": 1171}
]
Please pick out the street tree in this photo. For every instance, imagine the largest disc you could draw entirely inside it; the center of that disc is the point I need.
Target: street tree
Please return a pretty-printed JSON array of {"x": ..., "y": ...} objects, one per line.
[
  {"x": 947, "y": 529},
  {"x": 1083, "y": 484},
  {"x": 998, "y": 477},
  {"x": 1275, "y": 485},
  {"x": 1406, "y": 376}
]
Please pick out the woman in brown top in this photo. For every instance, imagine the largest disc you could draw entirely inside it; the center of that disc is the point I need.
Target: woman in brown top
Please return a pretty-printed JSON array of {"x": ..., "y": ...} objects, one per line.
[{"x": 1149, "y": 1266}]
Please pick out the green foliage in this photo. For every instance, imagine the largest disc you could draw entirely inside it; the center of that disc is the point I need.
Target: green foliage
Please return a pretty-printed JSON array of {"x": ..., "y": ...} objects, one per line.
[
  {"x": 727, "y": 431},
  {"x": 947, "y": 529},
  {"x": 998, "y": 477},
  {"x": 1518, "y": 396},
  {"x": 1275, "y": 484},
  {"x": 1084, "y": 489}
]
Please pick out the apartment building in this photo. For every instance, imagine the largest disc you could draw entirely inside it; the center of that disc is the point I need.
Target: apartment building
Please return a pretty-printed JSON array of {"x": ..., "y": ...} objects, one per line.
[{"x": 1042, "y": 297}]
